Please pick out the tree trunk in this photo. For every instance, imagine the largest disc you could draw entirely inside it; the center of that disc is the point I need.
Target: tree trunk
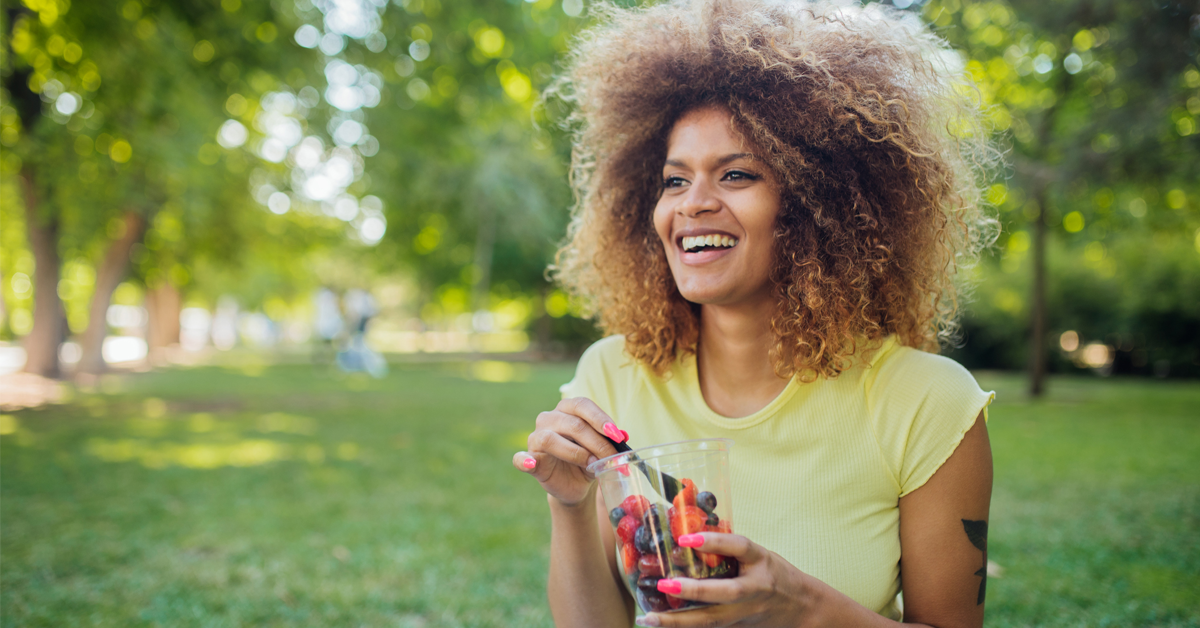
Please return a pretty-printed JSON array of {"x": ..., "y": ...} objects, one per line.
[
  {"x": 49, "y": 322},
  {"x": 1037, "y": 340},
  {"x": 162, "y": 331},
  {"x": 108, "y": 277},
  {"x": 485, "y": 244},
  {"x": 1043, "y": 179}
]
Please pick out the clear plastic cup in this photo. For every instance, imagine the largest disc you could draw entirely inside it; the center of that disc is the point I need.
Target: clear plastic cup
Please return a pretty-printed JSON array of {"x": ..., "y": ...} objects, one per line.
[{"x": 653, "y": 496}]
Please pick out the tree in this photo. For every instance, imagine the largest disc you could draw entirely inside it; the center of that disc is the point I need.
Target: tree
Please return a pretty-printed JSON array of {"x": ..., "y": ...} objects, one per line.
[
  {"x": 1101, "y": 101},
  {"x": 103, "y": 148}
]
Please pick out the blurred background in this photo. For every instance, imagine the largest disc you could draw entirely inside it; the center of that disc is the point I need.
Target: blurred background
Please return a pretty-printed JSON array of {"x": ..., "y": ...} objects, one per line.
[{"x": 274, "y": 314}]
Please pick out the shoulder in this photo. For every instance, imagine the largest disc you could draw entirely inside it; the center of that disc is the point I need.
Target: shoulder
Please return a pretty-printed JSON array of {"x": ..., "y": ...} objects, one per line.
[
  {"x": 601, "y": 372},
  {"x": 921, "y": 404},
  {"x": 899, "y": 369},
  {"x": 606, "y": 352}
]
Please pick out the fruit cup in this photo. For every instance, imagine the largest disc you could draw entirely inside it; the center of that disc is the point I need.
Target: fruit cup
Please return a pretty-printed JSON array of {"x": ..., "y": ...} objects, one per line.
[{"x": 653, "y": 496}]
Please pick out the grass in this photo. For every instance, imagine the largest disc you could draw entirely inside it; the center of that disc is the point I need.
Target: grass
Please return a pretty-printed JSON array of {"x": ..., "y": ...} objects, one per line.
[{"x": 290, "y": 496}]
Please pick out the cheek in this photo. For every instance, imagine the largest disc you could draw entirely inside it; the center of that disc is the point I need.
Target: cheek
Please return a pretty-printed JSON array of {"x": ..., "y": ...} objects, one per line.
[{"x": 662, "y": 222}]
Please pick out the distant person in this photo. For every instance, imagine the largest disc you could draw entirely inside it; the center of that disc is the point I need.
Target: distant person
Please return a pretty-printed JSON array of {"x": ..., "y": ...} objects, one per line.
[
  {"x": 327, "y": 324},
  {"x": 360, "y": 308},
  {"x": 773, "y": 199}
]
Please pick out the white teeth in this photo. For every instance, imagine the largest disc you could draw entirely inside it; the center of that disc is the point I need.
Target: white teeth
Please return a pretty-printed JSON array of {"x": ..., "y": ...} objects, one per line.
[{"x": 694, "y": 242}]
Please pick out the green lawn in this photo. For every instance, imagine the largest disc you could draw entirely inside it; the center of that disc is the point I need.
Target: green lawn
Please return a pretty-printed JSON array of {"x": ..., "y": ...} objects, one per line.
[{"x": 291, "y": 496}]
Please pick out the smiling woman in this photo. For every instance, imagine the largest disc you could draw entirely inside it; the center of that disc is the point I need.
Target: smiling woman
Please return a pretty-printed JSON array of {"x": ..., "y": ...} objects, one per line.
[
  {"x": 773, "y": 199},
  {"x": 847, "y": 109}
]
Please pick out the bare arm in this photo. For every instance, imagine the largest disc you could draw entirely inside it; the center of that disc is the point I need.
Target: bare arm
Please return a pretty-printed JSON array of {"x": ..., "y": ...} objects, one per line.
[
  {"x": 584, "y": 587},
  {"x": 943, "y": 569}
]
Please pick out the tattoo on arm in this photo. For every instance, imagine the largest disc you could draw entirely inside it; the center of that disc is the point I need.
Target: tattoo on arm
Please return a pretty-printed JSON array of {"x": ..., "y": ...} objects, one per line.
[{"x": 977, "y": 534}]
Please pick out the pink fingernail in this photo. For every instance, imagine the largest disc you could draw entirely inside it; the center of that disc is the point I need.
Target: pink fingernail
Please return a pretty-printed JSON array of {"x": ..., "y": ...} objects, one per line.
[
  {"x": 648, "y": 620},
  {"x": 529, "y": 463},
  {"x": 611, "y": 431},
  {"x": 690, "y": 540},
  {"x": 669, "y": 586},
  {"x": 623, "y": 470}
]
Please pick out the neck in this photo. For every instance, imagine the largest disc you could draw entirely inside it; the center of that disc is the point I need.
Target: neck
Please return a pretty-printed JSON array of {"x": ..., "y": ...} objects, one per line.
[{"x": 737, "y": 377}]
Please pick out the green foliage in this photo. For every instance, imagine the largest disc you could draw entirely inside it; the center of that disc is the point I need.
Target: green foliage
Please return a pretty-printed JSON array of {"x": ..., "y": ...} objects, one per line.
[
  {"x": 1100, "y": 103},
  {"x": 1141, "y": 300}
]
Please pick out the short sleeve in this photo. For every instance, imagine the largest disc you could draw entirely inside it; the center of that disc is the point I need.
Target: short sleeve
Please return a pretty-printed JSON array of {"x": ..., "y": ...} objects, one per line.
[
  {"x": 921, "y": 406},
  {"x": 598, "y": 372}
]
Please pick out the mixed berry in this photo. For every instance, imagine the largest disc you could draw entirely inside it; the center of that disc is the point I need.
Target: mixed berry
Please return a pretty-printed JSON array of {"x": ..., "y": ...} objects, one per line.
[{"x": 648, "y": 549}]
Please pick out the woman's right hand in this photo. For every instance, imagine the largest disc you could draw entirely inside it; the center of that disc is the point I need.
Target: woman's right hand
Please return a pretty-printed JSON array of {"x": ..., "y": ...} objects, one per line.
[{"x": 564, "y": 441}]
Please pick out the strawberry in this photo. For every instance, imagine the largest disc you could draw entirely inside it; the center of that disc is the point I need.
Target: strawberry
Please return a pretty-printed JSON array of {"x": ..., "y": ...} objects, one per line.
[
  {"x": 686, "y": 520},
  {"x": 689, "y": 489},
  {"x": 627, "y": 528},
  {"x": 629, "y": 556},
  {"x": 712, "y": 560},
  {"x": 686, "y": 495},
  {"x": 635, "y": 506}
]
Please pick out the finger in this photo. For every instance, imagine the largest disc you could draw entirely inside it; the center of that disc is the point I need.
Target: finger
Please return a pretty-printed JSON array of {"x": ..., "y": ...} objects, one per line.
[
  {"x": 712, "y": 590},
  {"x": 703, "y": 617},
  {"x": 577, "y": 429},
  {"x": 588, "y": 410},
  {"x": 734, "y": 545},
  {"x": 525, "y": 462},
  {"x": 554, "y": 444}
]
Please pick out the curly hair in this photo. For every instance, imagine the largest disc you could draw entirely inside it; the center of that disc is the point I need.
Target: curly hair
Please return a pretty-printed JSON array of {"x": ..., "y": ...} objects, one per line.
[{"x": 876, "y": 136}]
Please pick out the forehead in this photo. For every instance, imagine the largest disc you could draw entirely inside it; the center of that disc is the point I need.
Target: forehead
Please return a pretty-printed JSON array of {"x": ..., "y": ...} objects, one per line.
[{"x": 704, "y": 130}]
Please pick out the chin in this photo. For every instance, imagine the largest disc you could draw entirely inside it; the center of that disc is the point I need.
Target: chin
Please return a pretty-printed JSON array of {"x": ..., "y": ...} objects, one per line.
[{"x": 704, "y": 295}]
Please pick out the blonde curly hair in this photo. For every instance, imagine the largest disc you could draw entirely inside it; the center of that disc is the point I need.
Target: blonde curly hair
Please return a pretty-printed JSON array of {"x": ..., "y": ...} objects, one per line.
[{"x": 873, "y": 131}]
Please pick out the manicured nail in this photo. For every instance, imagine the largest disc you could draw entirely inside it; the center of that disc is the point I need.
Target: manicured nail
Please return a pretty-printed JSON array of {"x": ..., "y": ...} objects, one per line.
[
  {"x": 690, "y": 540},
  {"x": 529, "y": 463},
  {"x": 611, "y": 431},
  {"x": 623, "y": 470},
  {"x": 669, "y": 586},
  {"x": 648, "y": 620},
  {"x": 591, "y": 459}
]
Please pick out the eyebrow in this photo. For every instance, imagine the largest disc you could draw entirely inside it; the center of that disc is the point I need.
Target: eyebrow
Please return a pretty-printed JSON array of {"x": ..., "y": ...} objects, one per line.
[{"x": 720, "y": 162}]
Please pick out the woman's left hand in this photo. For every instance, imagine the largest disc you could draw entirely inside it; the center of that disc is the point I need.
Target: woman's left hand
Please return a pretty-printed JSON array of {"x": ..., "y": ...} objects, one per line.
[{"x": 768, "y": 591}]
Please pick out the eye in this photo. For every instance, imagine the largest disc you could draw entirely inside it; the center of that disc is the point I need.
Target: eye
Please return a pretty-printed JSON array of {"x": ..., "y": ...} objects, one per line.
[
  {"x": 674, "y": 182},
  {"x": 740, "y": 175}
]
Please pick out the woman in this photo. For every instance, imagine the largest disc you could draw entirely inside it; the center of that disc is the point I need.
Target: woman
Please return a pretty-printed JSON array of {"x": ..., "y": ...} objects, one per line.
[{"x": 773, "y": 200}]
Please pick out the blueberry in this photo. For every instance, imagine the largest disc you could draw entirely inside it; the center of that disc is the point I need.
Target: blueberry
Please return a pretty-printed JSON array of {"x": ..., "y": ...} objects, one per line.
[
  {"x": 654, "y": 514},
  {"x": 616, "y": 515},
  {"x": 713, "y": 519},
  {"x": 655, "y": 522},
  {"x": 644, "y": 540},
  {"x": 707, "y": 502}
]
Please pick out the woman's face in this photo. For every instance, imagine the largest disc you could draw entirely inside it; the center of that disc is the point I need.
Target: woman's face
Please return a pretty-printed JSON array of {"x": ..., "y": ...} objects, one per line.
[{"x": 716, "y": 216}]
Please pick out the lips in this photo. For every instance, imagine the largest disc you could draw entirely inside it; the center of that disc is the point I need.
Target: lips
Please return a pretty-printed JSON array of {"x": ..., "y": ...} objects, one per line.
[{"x": 701, "y": 246}]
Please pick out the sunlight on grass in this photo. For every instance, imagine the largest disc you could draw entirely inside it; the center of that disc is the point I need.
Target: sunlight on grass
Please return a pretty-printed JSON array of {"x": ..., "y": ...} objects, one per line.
[
  {"x": 499, "y": 372},
  {"x": 197, "y": 497},
  {"x": 244, "y": 453}
]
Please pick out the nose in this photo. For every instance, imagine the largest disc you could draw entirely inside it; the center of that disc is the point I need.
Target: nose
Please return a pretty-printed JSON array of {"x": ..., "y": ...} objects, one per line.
[{"x": 700, "y": 199}]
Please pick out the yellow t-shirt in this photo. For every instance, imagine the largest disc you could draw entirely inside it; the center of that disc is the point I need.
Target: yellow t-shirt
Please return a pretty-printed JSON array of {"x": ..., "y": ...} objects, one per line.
[{"x": 818, "y": 472}]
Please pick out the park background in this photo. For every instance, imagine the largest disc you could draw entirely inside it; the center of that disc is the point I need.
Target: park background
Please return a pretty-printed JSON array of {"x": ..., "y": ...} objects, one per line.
[{"x": 185, "y": 183}]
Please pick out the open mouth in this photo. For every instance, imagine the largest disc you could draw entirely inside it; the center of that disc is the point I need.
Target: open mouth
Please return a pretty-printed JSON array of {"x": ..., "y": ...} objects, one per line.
[{"x": 698, "y": 244}]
